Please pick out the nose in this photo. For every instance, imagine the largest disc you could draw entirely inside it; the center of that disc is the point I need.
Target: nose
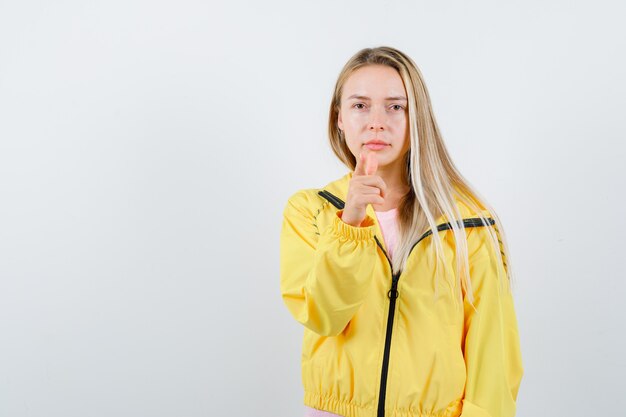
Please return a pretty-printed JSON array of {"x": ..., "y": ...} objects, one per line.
[{"x": 375, "y": 123}]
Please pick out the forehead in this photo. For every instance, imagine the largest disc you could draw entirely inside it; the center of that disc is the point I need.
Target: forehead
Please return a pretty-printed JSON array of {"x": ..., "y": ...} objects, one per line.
[{"x": 375, "y": 81}]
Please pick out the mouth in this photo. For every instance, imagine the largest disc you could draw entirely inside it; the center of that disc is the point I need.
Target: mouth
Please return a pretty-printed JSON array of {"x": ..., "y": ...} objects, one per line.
[{"x": 376, "y": 145}]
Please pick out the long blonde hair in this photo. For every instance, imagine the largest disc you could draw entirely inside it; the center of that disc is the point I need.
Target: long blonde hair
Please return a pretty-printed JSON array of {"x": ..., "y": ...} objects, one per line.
[{"x": 434, "y": 180}]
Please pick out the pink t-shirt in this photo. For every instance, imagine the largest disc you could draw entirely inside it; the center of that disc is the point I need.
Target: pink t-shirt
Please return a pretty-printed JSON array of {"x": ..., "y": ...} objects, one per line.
[{"x": 389, "y": 226}]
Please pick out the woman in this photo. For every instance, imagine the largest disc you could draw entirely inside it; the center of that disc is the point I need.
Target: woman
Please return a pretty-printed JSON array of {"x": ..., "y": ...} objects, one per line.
[{"x": 398, "y": 321}]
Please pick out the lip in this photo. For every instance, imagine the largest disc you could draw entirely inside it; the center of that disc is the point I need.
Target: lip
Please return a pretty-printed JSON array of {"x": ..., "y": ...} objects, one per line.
[{"x": 376, "y": 145}]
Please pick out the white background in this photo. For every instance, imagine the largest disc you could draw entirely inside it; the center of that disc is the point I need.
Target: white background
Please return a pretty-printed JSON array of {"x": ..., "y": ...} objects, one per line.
[{"x": 147, "y": 149}]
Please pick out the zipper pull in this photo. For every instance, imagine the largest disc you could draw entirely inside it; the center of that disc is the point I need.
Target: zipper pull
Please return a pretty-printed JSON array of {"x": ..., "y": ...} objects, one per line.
[{"x": 393, "y": 292}]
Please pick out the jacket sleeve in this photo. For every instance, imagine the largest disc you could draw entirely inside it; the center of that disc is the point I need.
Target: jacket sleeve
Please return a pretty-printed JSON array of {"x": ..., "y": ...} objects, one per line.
[
  {"x": 325, "y": 274},
  {"x": 492, "y": 344}
]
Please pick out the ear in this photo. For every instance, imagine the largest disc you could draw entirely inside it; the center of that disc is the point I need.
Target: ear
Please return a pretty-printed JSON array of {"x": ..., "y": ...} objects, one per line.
[{"x": 339, "y": 121}]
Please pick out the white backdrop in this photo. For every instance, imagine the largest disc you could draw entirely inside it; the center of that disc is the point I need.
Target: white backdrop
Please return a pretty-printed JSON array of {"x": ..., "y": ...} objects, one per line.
[{"x": 147, "y": 149}]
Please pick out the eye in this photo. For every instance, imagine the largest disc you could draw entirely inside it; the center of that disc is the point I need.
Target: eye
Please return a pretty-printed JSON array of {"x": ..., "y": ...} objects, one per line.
[
  {"x": 397, "y": 107},
  {"x": 358, "y": 104}
]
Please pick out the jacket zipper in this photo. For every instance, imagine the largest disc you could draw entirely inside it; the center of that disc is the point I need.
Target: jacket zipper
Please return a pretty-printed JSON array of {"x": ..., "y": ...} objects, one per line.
[{"x": 393, "y": 294}]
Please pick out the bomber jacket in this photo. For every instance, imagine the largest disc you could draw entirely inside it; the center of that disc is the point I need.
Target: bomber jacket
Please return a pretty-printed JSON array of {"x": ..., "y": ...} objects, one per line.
[{"x": 380, "y": 344}]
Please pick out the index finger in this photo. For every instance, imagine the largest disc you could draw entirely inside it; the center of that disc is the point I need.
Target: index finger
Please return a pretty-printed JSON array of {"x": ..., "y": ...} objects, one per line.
[
  {"x": 371, "y": 163},
  {"x": 359, "y": 169}
]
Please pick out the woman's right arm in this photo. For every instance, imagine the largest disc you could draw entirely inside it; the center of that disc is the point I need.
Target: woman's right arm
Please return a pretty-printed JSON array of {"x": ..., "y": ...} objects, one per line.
[{"x": 325, "y": 277}]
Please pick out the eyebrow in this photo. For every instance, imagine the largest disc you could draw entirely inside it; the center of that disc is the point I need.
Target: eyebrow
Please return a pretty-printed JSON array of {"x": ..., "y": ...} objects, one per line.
[{"x": 359, "y": 97}]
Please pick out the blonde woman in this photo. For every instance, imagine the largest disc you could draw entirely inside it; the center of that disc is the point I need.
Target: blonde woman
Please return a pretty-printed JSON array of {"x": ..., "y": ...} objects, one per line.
[{"x": 398, "y": 321}]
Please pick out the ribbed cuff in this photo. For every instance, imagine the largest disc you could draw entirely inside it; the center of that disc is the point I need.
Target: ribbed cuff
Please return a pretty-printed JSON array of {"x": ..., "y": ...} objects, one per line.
[{"x": 363, "y": 232}]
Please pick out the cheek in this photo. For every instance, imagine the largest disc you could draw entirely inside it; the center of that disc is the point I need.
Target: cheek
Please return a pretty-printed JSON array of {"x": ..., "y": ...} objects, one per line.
[
  {"x": 399, "y": 127},
  {"x": 352, "y": 121},
  {"x": 353, "y": 129},
  {"x": 401, "y": 135},
  {"x": 353, "y": 144},
  {"x": 400, "y": 121}
]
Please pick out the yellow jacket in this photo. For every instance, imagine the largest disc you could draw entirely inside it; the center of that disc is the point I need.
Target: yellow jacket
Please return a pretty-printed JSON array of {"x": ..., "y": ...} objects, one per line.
[{"x": 378, "y": 345}]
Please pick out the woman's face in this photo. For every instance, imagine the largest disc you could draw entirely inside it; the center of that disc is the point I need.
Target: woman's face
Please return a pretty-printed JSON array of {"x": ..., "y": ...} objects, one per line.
[{"x": 374, "y": 107}]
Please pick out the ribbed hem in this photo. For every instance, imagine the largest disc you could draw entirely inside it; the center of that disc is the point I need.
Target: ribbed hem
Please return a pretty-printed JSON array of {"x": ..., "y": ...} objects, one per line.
[
  {"x": 363, "y": 232},
  {"x": 332, "y": 405}
]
